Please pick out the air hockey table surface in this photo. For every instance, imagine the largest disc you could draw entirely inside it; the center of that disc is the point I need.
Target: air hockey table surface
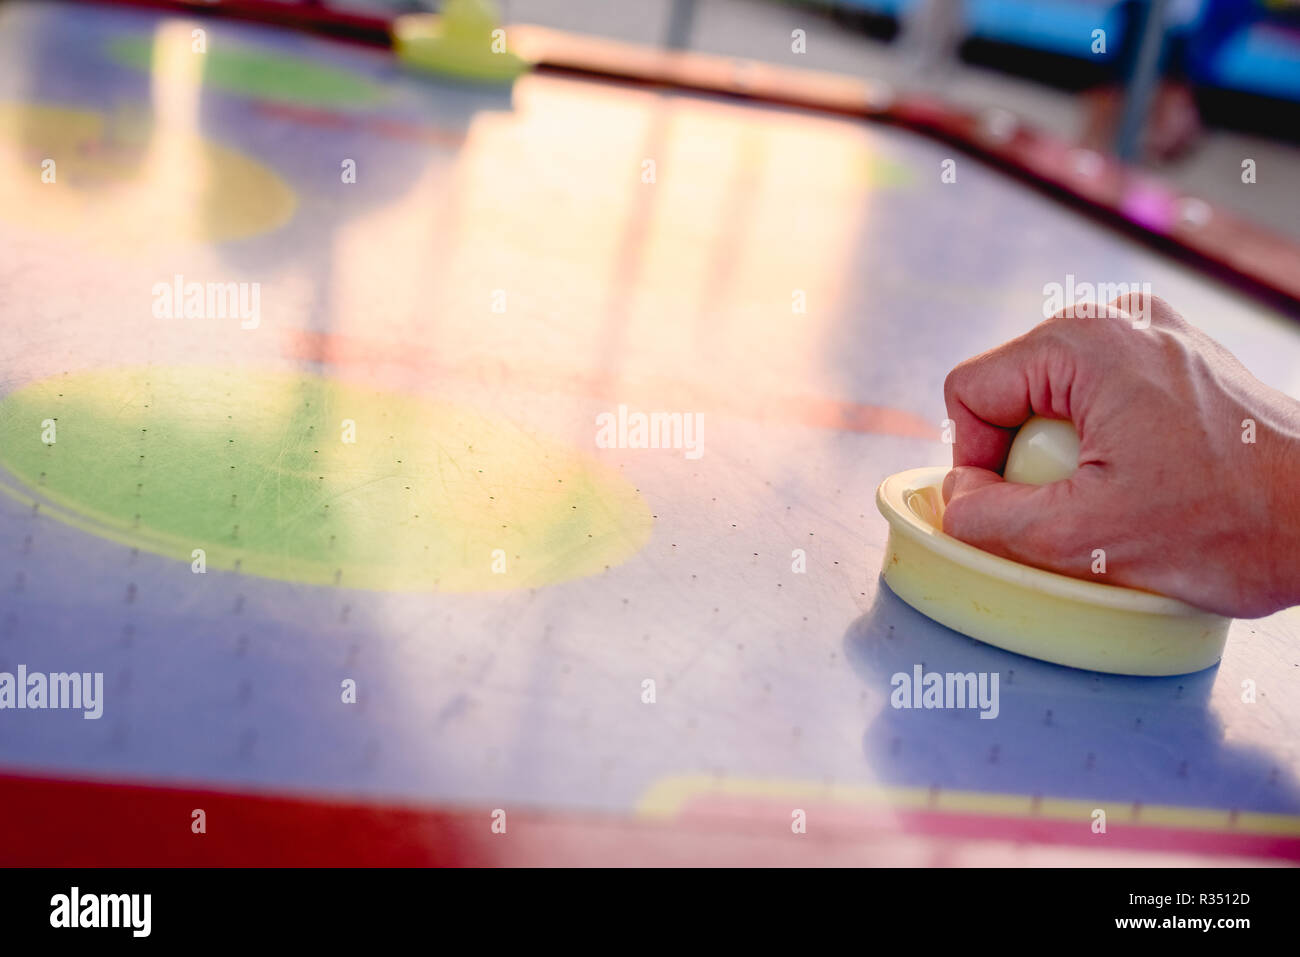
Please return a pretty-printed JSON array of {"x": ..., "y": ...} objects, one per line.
[{"x": 468, "y": 605}]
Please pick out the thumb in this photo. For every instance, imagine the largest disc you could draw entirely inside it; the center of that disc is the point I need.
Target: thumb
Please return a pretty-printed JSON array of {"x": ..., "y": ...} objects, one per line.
[
  {"x": 1005, "y": 518},
  {"x": 965, "y": 479}
]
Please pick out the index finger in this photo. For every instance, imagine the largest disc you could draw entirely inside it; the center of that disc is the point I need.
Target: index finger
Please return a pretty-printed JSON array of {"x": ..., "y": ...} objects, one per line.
[{"x": 991, "y": 395}]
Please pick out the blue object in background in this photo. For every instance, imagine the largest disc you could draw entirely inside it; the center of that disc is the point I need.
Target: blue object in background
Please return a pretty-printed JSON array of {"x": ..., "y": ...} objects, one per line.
[
  {"x": 1262, "y": 58},
  {"x": 1235, "y": 45},
  {"x": 1057, "y": 26},
  {"x": 1061, "y": 27}
]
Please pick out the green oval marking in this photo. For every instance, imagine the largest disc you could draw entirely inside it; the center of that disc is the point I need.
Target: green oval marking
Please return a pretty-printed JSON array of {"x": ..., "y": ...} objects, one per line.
[
  {"x": 267, "y": 74},
  {"x": 253, "y": 469}
]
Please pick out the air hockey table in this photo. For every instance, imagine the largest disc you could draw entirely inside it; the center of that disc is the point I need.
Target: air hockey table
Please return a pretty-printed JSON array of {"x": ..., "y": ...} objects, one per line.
[{"x": 303, "y": 362}]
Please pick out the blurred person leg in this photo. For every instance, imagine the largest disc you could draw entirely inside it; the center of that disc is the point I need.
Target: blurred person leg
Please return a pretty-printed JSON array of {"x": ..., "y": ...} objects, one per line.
[
  {"x": 1167, "y": 125},
  {"x": 1147, "y": 109},
  {"x": 932, "y": 32},
  {"x": 681, "y": 20}
]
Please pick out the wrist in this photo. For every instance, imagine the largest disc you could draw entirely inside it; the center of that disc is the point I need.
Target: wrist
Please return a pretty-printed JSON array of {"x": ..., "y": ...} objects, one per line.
[{"x": 1282, "y": 479}]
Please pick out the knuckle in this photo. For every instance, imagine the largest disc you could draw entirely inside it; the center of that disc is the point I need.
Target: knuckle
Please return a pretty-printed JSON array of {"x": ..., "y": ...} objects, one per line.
[
  {"x": 1165, "y": 315},
  {"x": 952, "y": 382},
  {"x": 1066, "y": 327}
]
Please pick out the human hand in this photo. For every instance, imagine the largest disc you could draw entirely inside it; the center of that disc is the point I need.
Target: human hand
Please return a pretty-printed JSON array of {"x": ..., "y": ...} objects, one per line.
[{"x": 1189, "y": 467}]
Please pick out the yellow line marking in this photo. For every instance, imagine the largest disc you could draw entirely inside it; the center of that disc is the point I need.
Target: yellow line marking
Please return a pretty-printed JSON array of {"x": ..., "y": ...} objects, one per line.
[{"x": 668, "y": 797}]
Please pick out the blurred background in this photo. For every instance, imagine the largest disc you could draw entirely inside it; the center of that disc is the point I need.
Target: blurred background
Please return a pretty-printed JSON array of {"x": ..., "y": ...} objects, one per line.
[{"x": 1188, "y": 88}]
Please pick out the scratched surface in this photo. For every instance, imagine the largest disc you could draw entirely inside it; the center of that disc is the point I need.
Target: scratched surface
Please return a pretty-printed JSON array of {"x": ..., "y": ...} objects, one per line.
[{"x": 501, "y": 254}]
